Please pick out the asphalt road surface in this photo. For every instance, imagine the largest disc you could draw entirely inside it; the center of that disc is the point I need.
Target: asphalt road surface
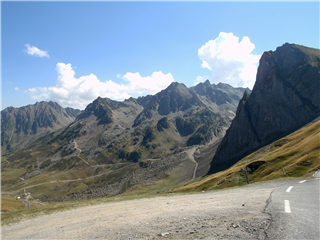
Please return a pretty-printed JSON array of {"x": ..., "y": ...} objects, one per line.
[
  {"x": 27, "y": 203},
  {"x": 294, "y": 209},
  {"x": 316, "y": 175}
]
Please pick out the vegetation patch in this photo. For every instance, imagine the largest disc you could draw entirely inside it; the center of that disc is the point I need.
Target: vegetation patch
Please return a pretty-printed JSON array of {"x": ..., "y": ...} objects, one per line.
[
  {"x": 10, "y": 175},
  {"x": 8, "y": 204},
  {"x": 77, "y": 189}
]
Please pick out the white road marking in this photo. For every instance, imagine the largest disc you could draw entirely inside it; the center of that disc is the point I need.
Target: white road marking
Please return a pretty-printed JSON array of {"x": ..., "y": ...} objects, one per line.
[
  {"x": 287, "y": 206},
  {"x": 302, "y": 181},
  {"x": 289, "y": 189}
]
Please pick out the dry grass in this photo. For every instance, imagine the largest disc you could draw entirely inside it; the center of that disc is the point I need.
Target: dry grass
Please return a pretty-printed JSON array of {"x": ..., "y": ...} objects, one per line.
[
  {"x": 9, "y": 175},
  {"x": 297, "y": 155},
  {"x": 9, "y": 204}
]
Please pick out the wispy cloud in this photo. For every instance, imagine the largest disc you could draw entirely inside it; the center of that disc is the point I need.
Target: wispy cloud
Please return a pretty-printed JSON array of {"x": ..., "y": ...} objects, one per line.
[
  {"x": 16, "y": 88},
  {"x": 229, "y": 60},
  {"x": 79, "y": 92},
  {"x": 32, "y": 90},
  {"x": 34, "y": 51}
]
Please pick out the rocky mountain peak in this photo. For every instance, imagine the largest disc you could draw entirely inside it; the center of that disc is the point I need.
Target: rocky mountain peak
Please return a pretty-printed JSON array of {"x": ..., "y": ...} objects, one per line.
[
  {"x": 207, "y": 83},
  {"x": 177, "y": 88},
  {"x": 201, "y": 88},
  {"x": 223, "y": 85},
  {"x": 290, "y": 56},
  {"x": 175, "y": 97},
  {"x": 101, "y": 108},
  {"x": 284, "y": 98}
]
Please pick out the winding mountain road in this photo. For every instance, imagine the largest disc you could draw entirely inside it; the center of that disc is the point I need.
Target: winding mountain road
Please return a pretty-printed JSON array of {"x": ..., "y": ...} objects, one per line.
[
  {"x": 190, "y": 153},
  {"x": 27, "y": 203}
]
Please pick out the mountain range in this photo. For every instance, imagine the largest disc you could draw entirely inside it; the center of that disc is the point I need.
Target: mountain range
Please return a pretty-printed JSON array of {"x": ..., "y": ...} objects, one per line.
[
  {"x": 110, "y": 135},
  {"x": 156, "y": 142}
]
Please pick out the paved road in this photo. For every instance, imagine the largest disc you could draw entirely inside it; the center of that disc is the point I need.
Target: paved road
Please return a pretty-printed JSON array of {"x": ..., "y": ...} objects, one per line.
[
  {"x": 294, "y": 209},
  {"x": 316, "y": 175},
  {"x": 28, "y": 205}
]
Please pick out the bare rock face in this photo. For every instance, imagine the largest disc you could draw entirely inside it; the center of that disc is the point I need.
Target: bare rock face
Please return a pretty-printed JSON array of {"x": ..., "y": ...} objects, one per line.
[{"x": 285, "y": 97}]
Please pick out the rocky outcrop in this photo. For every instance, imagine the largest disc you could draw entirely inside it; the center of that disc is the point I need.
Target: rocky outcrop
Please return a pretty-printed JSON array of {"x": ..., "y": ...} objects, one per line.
[
  {"x": 162, "y": 124},
  {"x": 285, "y": 97}
]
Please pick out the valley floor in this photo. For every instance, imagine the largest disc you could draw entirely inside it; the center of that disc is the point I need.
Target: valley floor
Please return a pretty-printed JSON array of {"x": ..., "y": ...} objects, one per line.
[{"x": 226, "y": 214}]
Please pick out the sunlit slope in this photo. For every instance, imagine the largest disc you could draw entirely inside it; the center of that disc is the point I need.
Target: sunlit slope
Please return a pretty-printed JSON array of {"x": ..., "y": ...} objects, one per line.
[
  {"x": 296, "y": 155},
  {"x": 9, "y": 204}
]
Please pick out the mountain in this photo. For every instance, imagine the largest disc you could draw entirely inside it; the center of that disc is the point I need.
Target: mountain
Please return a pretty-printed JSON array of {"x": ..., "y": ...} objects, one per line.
[
  {"x": 114, "y": 146},
  {"x": 20, "y": 126},
  {"x": 178, "y": 115},
  {"x": 285, "y": 97},
  {"x": 154, "y": 126},
  {"x": 296, "y": 155}
]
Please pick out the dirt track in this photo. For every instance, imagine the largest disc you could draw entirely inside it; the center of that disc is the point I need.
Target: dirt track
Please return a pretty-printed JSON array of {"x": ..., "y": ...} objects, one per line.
[{"x": 228, "y": 214}]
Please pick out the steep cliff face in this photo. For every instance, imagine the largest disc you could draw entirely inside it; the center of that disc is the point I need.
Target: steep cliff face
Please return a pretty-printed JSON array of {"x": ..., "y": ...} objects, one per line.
[{"x": 285, "y": 97}]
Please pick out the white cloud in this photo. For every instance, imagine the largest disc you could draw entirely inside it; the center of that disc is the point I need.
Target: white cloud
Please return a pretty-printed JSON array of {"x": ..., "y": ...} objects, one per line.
[
  {"x": 79, "y": 92},
  {"x": 16, "y": 88},
  {"x": 229, "y": 60},
  {"x": 200, "y": 79},
  {"x": 34, "y": 51},
  {"x": 151, "y": 84}
]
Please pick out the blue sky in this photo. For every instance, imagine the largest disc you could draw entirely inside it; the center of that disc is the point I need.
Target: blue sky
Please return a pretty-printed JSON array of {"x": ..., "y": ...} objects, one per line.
[{"x": 73, "y": 52}]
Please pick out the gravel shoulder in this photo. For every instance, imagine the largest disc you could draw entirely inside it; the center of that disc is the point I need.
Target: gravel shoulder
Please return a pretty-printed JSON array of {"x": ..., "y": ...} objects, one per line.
[{"x": 236, "y": 213}]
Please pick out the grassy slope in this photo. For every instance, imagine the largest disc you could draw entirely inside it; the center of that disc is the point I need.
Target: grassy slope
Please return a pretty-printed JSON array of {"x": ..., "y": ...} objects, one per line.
[
  {"x": 296, "y": 155},
  {"x": 9, "y": 204}
]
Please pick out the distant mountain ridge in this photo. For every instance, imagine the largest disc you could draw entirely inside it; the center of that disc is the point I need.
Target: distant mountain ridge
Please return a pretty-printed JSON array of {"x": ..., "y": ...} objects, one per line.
[
  {"x": 285, "y": 97},
  {"x": 21, "y": 125},
  {"x": 131, "y": 134},
  {"x": 177, "y": 103}
]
